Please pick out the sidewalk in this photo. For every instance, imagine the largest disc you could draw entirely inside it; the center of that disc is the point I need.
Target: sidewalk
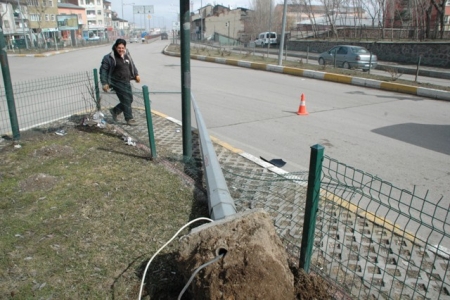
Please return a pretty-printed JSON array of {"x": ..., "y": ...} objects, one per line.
[
  {"x": 254, "y": 183},
  {"x": 425, "y": 71},
  {"x": 433, "y": 72}
]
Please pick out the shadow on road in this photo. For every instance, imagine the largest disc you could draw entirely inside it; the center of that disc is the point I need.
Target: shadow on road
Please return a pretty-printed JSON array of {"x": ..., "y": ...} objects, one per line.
[{"x": 432, "y": 137}]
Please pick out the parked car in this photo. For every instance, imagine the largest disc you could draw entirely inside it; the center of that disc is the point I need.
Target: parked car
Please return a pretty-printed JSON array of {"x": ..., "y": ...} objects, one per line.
[
  {"x": 134, "y": 40},
  {"x": 349, "y": 57},
  {"x": 164, "y": 36},
  {"x": 93, "y": 38},
  {"x": 266, "y": 38}
]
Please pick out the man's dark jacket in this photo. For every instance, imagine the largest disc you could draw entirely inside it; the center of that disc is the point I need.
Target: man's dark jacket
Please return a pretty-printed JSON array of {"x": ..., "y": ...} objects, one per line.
[{"x": 108, "y": 65}]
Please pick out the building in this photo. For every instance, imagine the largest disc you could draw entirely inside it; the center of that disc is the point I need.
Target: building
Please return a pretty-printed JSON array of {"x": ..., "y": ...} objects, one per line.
[
  {"x": 68, "y": 15},
  {"x": 42, "y": 21},
  {"x": 94, "y": 28},
  {"x": 304, "y": 16},
  {"x": 15, "y": 24},
  {"x": 422, "y": 21},
  {"x": 213, "y": 21},
  {"x": 107, "y": 15},
  {"x": 447, "y": 16},
  {"x": 120, "y": 27}
]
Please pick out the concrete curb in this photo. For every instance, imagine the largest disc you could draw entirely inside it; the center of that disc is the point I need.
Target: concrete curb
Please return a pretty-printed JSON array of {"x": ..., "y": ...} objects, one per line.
[
  {"x": 227, "y": 146},
  {"x": 382, "y": 65},
  {"x": 54, "y": 52},
  {"x": 370, "y": 83}
]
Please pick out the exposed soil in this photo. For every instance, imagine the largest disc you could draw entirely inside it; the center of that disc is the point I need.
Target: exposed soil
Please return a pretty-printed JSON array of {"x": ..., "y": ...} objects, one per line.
[
  {"x": 38, "y": 182},
  {"x": 122, "y": 277}
]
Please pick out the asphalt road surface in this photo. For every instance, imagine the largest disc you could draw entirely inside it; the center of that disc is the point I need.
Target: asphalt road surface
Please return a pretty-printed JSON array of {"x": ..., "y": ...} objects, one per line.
[{"x": 401, "y": 138}]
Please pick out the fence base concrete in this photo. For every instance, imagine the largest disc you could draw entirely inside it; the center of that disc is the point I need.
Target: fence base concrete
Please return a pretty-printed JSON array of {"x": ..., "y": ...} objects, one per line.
[{"x": 255, "y": 265}]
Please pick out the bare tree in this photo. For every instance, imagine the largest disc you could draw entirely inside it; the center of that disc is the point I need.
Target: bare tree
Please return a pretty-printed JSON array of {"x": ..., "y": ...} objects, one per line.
[
  {"x": 374, "y": 9},
  {"x": 261, "y": 16},
  {"x": 39, "y": 8},
  {"x": 332, "y": 11},
  {"x": 311, "y": 15},
  {"x": 439, "y": 5}
]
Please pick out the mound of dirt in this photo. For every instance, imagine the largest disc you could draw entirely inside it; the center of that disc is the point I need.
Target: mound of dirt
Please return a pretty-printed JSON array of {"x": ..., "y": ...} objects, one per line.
[
  {"x": 255, "y": 264},
  {"x": 311, "y": 287},
  {"x": 38, "y": 182},
  {"x": 53, "y": 151}
]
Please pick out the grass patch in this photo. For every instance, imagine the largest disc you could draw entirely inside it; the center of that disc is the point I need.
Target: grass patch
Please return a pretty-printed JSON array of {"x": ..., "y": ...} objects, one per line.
[{"x": 81, "y": 213}]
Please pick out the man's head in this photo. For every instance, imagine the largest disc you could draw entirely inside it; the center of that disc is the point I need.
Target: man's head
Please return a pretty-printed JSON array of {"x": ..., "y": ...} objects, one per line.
[{"x": 120, "y": 46}]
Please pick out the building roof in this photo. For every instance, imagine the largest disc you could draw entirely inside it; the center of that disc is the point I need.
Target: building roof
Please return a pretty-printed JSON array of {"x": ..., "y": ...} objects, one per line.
[
  {"x": 342, "y": 21},
  {"x": 69, "y": 5},
  {"x": 118, "y": 19}
]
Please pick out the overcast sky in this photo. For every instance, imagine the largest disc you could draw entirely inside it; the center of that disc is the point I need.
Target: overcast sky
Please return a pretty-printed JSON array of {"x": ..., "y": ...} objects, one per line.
[{"x": 165, "y": 11}]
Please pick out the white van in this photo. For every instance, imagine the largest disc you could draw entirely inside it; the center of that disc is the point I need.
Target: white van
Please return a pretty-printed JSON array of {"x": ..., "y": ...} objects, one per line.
[{"x": 265, "y": 38}]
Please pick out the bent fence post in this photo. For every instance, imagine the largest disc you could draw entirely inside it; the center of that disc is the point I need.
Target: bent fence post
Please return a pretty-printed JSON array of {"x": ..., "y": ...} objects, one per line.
[
  {"x": 97, "y": 88},
  {"x": 8, "y": 88},
  {"x": 312, "y": 203},
  {"x": 220, "y": 203},
  {"x": 148, "y": 114}
]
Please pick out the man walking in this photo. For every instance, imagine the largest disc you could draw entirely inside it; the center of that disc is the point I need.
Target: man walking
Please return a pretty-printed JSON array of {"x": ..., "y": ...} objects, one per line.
[{"x": 116, "y": 71}]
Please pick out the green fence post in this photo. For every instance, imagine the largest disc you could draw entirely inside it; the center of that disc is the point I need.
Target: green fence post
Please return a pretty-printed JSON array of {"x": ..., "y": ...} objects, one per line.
[
  {"x": 312, "y": 202},
  {"x": 148, "y": 114},
  {"x": 97, "y": 89},
  {"x": 185, "y": 58},
  {"x": 8, "y": 88}
]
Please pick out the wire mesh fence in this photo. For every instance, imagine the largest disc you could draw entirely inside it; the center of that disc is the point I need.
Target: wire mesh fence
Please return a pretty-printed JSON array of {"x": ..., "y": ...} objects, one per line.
[
  {"x": 373, "y": 240},
  {"x": 45, "y": 100},
  {"x": 378, "y": 241}
]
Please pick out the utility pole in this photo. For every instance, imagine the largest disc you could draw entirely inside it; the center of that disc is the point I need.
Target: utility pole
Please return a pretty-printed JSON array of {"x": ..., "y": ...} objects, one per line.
[
  {"x": 185, "y": 20},
  {"x": 270, "y": 24},
  {"x": 283, "y": 29},
  {"x": 201, "y": 21}
]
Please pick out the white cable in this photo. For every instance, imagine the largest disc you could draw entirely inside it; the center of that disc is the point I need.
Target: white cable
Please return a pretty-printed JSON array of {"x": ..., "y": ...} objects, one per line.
[
  {"x": 160, "y": 249},
  {"x": 196, "y": 271}
]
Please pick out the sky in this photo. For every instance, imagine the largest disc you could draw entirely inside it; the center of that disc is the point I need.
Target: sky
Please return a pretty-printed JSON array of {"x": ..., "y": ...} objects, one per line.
[{"x": 165, "y": 11}]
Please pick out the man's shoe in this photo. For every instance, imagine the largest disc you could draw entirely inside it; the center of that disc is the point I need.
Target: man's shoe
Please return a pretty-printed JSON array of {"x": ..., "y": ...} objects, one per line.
[
  {"x": 132, "y": 122},
  {"x": 113, "y": 114}
]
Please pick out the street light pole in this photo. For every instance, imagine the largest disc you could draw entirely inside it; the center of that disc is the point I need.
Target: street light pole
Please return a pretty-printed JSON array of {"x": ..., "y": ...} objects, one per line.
[
  {"x": 270, "y": 29},
  {"x": 283, "y": 29},
  {"x": 123, "y": 17}
]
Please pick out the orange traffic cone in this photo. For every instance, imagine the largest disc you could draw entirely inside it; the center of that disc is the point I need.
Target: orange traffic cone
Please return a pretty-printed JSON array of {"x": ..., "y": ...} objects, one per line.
[{"x": 302, "y": 107}]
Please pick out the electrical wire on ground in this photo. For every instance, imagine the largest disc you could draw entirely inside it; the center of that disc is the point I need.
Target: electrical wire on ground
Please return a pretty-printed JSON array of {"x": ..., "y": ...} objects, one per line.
[
  {"x": 160, "y": 249},
  {"x": 198, "y": 270}
]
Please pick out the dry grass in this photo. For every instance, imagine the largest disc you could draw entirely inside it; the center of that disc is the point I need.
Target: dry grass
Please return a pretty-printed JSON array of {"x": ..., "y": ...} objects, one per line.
[{"x": 81, "y": 213}]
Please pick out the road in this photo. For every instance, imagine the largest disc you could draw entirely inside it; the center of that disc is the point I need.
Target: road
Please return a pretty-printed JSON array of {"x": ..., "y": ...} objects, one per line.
[{"x": 401, "y": 138}]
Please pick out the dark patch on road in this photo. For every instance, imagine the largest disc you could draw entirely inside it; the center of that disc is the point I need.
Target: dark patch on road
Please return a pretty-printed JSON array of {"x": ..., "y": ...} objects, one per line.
[{"x": 429, "y": 136}]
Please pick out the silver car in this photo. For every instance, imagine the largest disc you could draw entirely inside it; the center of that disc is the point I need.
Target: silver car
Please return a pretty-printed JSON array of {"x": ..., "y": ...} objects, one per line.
[{"x": 349, "y": 57}]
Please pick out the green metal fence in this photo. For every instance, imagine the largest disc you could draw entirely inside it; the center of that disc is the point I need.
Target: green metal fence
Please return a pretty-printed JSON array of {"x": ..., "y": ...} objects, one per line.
[
  {"x": 372, "y": 239},
  {"x": 378, "y": 241},
  {"x": 45, "y": 100}
]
